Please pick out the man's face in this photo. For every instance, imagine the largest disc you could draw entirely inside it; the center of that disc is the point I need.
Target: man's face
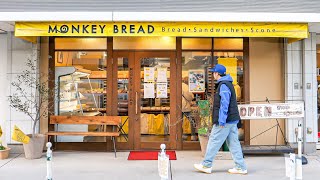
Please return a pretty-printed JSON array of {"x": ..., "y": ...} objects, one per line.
[{"x": 215, "y": 75}]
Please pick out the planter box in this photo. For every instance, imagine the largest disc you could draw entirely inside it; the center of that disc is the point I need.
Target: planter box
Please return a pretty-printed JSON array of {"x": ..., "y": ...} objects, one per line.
[{"x": 4, "y": 154}]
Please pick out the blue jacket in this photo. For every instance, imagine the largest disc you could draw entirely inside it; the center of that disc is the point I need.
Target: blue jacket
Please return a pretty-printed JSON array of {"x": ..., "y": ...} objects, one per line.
[{"x": 225, "y": 95}]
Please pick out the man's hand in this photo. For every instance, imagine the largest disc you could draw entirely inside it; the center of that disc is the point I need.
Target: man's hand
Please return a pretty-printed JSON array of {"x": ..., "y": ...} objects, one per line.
[{"x": 221, "y": 126}]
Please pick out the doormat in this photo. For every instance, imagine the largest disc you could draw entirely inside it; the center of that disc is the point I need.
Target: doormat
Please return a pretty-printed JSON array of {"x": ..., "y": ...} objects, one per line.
[{"x": 149, "y": 155}]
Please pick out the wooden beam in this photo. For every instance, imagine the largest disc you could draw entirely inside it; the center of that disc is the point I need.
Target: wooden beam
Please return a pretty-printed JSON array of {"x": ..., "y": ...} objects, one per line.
[
  {"x": 92, "y": 120},
  {"x": 55, "y": 133},
  {"x": 246, "y": 77}
]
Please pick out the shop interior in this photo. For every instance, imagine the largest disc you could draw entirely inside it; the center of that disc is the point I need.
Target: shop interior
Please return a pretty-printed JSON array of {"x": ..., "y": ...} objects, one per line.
[{"x": 81, "y": 74}]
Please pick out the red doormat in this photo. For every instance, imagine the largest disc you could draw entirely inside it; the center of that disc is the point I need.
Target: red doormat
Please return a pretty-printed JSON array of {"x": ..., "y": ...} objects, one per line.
[{"x": 149, "y": 155}]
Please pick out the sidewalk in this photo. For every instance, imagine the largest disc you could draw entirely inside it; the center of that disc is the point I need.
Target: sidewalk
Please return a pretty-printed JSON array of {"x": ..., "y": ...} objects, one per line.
[{"x": 102, "y": 166}]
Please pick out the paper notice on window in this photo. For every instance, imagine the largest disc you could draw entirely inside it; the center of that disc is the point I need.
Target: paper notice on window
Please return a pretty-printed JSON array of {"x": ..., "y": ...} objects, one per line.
[
  {"x": 162, "y": 75},
  {"x": 162, "y": 90},
  {"x": 197, "y": 80},
  {"x": 148, "y": 91},
  {"x": 148, "y": 74}
]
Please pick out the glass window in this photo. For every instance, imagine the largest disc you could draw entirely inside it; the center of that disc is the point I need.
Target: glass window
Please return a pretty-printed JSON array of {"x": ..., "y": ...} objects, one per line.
[
  {"x": 197, "y": 43},
  {"x": 163, "y": 43},
  {"x": 228, "y": 43},
  {"x": 196, "y": 87},
  {"x": 80, "y": 43},
  {"x": 155, "y": 99},
  {"x": 81, "y": 77}
]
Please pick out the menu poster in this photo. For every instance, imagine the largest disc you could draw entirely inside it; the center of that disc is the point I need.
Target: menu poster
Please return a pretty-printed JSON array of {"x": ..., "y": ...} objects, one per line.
[
  {"x": 196, "y": 80},
  {"x": 148, "y": 74},
  {"x": 162, "y": 90},
  {"x": 148, "y": 90},
  {"x": 162, "y": 74}
]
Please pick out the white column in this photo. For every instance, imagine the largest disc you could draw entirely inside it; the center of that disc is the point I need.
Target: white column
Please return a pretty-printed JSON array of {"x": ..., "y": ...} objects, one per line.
[
  {"x": 310, "y": 86},
  {"x": 293, "y": 83},
  {"x": 3, "y": 88},
  {"x": 301, "y": 84}
]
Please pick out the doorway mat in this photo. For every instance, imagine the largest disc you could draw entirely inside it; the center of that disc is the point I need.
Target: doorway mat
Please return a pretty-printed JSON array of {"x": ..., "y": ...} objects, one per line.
[{"x": 150, "y": 155}]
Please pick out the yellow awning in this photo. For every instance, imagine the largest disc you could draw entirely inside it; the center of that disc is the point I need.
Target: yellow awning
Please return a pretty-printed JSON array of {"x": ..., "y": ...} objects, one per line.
[{"x": 180, "y": 29}]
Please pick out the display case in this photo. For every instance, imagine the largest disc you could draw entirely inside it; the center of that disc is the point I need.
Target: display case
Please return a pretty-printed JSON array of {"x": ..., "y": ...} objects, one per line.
[
  {"x": 75, "y": 93},
  {"x": 74, "y": 97}
]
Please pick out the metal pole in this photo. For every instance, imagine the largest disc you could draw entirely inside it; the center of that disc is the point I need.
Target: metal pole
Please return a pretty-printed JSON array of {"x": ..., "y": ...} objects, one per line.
[{"x": 49, "y": 161}]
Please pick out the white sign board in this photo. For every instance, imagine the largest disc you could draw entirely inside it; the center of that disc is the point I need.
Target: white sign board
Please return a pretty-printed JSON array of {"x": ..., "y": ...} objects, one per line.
[
  {"x": 271, "y": 111},
  {"x": 163, "y": 166}
]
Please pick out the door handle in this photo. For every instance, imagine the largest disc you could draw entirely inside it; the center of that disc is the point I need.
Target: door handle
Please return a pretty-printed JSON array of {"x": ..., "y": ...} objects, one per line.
[{"x": 136, "y": 102}]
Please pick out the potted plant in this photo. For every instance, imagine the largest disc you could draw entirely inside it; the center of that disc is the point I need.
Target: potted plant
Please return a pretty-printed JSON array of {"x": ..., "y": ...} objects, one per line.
[
  {"x": 4, "y": 151},
  {"x": 205, "y": 124},
  {"x": 34, "y": 106}
]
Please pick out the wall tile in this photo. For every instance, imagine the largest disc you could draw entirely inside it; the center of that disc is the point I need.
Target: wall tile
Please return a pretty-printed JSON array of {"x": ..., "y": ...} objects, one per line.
[
  {"x": 314, "y": 41},
  {"x": 297, "y": 79},
  {"x": 8, "y": 131},
  {"x": 307, "y": 43},
  {"x": 288, "y": 47},
  {"x": 308, "y": 79},
  {"x": 297, "y": 46},
  {"x": 289, "y": 85},
  {"x": 289, "y": 61},
  {"x": 296, "y": 62},
  {"x": 315, "y": 87},
  {"x": 20, "y": 44},
  {"x": 19, "y": 59},
  {"x": 314, "y": 63},
  {"x": 308, "y": 62}
]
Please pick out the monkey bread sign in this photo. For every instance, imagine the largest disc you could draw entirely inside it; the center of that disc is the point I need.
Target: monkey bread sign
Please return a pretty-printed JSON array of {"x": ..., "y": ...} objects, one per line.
[{"x": 271, "y": 111}]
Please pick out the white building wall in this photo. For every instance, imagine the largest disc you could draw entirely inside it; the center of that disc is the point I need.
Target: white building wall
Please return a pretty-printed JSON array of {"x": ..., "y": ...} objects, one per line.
[
  {"x": 13, "y": 55},
  {"x": 301, "y": 85}
]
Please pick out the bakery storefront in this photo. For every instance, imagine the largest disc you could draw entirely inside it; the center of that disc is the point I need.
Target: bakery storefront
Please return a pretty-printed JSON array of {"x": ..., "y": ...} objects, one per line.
[{"x": 155, "y": 74}]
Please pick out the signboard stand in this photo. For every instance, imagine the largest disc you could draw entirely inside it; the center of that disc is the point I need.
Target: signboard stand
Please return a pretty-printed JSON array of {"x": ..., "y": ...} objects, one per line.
[{"x": 270, "y": 111}]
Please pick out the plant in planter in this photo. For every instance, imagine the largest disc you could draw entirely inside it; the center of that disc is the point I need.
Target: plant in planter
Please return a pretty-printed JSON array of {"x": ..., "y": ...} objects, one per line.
[
  {"x": 4, "y": 151},
  {"x": 34, "y": 104},
  {"x": 205, "y": 124}
]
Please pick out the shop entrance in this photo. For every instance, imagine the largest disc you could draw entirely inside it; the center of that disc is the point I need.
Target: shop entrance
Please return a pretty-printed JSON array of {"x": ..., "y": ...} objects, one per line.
[{"x": 146, "y": 98}]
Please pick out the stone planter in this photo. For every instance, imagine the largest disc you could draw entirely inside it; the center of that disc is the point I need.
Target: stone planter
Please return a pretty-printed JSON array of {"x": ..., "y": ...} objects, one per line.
[
  {"x": 34, "y": 149},
  {"x": 4, "y": 154}
]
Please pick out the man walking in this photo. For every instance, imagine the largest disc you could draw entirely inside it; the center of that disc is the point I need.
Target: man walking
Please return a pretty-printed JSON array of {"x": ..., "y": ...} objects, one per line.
[{"x": 225, "y": 118}]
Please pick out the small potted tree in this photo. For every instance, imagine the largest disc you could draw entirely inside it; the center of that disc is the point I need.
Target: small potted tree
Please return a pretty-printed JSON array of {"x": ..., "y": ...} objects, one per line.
[
  {"x": 34, "y": 106},
  {"x": 205, "y": 124}
]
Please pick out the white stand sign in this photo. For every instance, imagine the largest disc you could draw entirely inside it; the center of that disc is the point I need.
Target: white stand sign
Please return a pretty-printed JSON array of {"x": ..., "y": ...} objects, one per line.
[{"x": 163, "y": 163}]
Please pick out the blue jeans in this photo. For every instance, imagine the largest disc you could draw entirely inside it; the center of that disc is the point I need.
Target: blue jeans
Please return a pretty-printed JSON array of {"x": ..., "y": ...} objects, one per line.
[{"x": 217, "y": 138}]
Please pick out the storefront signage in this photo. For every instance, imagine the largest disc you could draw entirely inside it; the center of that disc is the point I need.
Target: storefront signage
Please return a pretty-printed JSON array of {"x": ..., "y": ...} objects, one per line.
[
  {"x": 271, "y": 111},
  {"x": 183, "y": 29}
]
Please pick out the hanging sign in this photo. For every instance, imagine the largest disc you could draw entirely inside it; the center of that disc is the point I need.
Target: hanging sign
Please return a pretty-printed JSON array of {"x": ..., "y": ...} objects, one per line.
[
  {"x": 181, "y": 29},
  {"x": 271, "y": 111}
]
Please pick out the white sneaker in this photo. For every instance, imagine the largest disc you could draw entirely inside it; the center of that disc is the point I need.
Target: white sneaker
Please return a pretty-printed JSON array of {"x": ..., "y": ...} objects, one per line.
[
  {"x": 238, "y": 171},
  {"x": 202, "y": 168}
]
